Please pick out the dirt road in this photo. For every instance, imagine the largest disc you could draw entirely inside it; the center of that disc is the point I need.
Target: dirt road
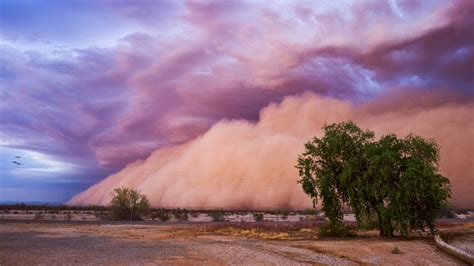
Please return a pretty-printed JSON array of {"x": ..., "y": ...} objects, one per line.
[{"x": 112, "y": 244}]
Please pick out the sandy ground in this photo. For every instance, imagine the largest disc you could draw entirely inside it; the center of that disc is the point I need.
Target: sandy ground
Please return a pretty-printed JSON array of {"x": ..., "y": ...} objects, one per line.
[{"x": 24, "y": 243}]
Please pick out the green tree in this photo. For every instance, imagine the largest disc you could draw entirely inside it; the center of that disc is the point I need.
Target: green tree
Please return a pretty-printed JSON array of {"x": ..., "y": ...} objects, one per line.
[
  {"x": 396, "y": 180},
  {"x": 128, "y": 204}
]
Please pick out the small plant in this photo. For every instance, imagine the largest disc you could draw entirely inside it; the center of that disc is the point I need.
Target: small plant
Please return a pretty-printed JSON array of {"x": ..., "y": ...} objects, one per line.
[
  {"x": 284, "y": 215},
  {"x": 447, "y": 212},
  {"x": 67, "y": 217},
  {"x": 257, "y": 216},
  {"x": 181, "y": 215},
  {"x": 53, "y": 216},
  {"x": 396, "y": 250},
  {"x": 154, "y": 215},
  {"x": 335, "y": 230},
  {"x": 217, "y": 216},
  {"x": 39, "y": 215},
  {"x": 164, "y": 216}
]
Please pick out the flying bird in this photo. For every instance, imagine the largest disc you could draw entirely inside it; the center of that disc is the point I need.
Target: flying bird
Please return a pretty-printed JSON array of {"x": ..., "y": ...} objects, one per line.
[{"x": 17, "y": 163}]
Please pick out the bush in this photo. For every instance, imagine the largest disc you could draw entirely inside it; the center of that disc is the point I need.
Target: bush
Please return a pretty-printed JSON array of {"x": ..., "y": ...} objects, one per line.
[
  {"x": 396, "y": 250},
  {"x": 164, "y": 217},
  {"x": 447, "y": 212},
  {"x": 217, "y": 216},
  {"x": 129, "y": 204},
  {"x": 68, "y": 217},
  {"x": 154, "y": 215},
  {"x": 335, "y": 230},
  {"x": 181, "y": 215},
  {"x": 160, "y": 215},
  {"x": 257, "y": 216},
  {"x": 39, "y": 216}
]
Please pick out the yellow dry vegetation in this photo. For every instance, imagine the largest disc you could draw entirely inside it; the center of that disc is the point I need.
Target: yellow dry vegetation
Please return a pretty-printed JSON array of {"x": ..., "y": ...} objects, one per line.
[
  {"x": 469, "y": 225},
  {"x": 301, "y": 234}
]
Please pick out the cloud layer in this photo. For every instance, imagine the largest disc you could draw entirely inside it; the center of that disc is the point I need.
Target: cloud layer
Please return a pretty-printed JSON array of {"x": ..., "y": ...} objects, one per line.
[{"x": 101, "y": 85}]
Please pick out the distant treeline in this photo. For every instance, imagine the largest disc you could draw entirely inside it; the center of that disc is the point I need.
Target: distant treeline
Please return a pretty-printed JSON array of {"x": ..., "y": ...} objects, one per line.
[
  {"x": 447, "y": 212},
  {"x": 23, "y": 206}
]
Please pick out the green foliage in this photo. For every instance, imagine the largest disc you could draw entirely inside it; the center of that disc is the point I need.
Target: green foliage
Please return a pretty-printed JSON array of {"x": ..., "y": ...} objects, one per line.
[
  {"x": 368, "y": 221},
  {"x": 217, "y": 216},
  {"x": 154, "y": 215},
  {"x": 257, "y": 216},
  {"x": 397, "y": 179},
  {"x": 335, "y": 230},
  {"x": 164, "y": 216},
  {"x": 181, "y": 215},
  {"x": 128, "y": 204}
]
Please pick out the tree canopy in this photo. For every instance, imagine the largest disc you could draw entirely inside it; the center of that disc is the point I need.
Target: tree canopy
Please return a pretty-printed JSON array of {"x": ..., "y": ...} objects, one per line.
[
  {"x": 395, "y": 179},
  {"x": 128, "y": 204}
]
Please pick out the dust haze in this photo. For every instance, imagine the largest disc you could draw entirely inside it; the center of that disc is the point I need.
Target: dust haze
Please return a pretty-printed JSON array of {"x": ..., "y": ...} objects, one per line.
[{"x": 241, "y": 164}]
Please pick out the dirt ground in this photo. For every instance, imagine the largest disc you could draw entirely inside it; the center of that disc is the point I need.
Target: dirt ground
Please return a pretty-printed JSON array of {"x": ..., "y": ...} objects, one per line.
[{"x": 23, "y": 243}]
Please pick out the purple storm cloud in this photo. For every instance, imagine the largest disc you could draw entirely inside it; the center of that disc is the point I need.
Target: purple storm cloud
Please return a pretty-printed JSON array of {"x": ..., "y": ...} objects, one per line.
[{"x": 97, "y": 85}]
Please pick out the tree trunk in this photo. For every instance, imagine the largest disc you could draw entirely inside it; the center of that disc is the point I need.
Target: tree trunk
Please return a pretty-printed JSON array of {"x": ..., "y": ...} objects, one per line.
[{"x": 385, "y": 224}]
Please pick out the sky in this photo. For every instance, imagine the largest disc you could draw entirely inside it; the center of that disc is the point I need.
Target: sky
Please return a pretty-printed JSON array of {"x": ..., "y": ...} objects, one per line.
[{"x": 91, "y": 91}]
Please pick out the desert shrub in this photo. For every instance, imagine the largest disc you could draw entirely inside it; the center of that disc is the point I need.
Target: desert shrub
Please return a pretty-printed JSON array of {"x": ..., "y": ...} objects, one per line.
[
  {"x": 462, "y": 211},
  {"x": 396, "y": 250},
  {"x": 284, "y": 215},
  {"x": 195, "y": 215},
  {"x": 154, "y": 215},
  {"x": 181, "y": 215},
  {"x": 39, "y": 216},
  {"x": 335, "y": 230},
  {"x": 129, "y": 204},
  {"x": 68, "y": 217},
  {"x": 310, "y": 212},
  {"x": 164, "y": 216},
  {"x": 53, "y": 216},
  {"x": 217, "y": 216},
  {"x": 446, "y": 212},
  {"x": 257, "y": 216}
]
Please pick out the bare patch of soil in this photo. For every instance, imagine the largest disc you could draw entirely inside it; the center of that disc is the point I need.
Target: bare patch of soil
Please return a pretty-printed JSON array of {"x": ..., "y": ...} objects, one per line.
[{"x": 184, "y": 244}]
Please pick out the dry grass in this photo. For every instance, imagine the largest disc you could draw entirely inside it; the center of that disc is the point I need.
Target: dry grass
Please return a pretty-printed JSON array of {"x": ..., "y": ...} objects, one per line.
[{"x": 265, "y": 232}]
